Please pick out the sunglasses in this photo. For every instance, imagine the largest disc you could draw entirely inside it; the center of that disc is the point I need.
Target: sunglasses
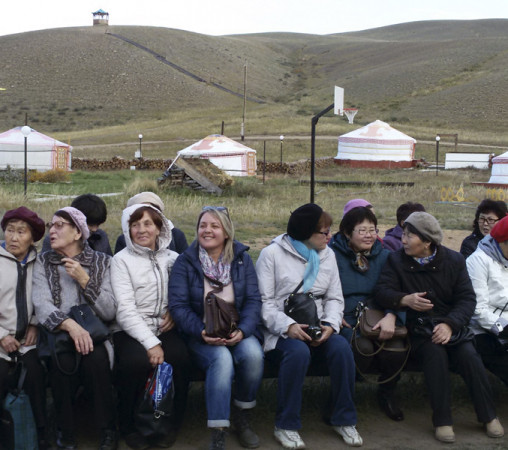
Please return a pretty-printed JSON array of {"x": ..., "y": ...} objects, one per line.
[{"x": 216, "y": 208}]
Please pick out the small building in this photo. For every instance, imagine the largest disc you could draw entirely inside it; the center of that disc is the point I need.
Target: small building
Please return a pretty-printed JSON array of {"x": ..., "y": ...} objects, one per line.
[
  {"x": 499, "y": 173},
  {"x": 100, "y": 17},
  {"x": 43, "y": 152}
]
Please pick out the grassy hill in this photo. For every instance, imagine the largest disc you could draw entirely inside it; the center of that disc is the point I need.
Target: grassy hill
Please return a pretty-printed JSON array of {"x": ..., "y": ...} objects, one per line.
[{"x": 88, "y": 85}]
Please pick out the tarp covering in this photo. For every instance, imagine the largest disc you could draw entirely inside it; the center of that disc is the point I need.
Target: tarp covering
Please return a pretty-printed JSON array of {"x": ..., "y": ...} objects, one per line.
[
  {"x": 234, "y": 158},
  {"x": 376, "y": 141}
]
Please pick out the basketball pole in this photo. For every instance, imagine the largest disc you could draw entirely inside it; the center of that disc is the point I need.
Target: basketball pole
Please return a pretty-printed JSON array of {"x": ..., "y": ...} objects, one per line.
[{"x": 314, "y": 122}]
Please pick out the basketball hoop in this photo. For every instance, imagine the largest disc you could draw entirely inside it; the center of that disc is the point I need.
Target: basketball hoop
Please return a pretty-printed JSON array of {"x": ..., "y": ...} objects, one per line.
[{"x": 350, "y": 113}]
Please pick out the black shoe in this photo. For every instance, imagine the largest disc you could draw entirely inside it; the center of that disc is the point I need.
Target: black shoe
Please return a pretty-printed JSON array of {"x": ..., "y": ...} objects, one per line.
[
  {"x": 218, "y": 440},
  {"x": 241, "y": 424},
  {"x": 109, "y": 440},
  {"x": 136, "y": 441},
  {"x": 166, "y": 441},
  {"x": 389, "y": 406},
  {"x": 65, "y": 439}
]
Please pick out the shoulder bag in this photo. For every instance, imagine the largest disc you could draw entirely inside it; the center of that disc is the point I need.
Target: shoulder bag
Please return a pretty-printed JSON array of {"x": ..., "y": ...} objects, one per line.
[
  {"x": 221, "y": 317},
  {"x": 424, "y": 326}
]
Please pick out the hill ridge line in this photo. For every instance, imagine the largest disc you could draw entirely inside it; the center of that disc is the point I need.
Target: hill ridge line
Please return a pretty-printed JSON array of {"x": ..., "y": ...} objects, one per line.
[{"x": 163, "y": 60}]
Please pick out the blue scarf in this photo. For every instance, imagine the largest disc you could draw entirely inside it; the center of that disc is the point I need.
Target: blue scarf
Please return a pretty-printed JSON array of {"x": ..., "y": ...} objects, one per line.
[
  {"x": 312, "y": 258},
  {"x": 490, "y": 246}
]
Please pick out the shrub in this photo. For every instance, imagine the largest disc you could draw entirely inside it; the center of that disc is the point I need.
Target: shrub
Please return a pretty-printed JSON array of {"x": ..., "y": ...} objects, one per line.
[{"x": 50, "y": 176}]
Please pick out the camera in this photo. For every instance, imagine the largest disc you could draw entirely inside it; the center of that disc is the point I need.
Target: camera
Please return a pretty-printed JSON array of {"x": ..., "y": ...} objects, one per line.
[{"x": 314, "y": 332}]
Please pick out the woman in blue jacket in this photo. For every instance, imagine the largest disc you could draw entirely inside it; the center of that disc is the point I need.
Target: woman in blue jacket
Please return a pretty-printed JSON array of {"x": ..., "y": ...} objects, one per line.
[
  {"x": 360, "y": 257},
  {"x": 215, "y": 260}
]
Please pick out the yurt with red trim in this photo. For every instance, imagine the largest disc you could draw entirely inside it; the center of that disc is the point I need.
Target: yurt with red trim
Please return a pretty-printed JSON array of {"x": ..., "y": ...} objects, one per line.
[
  {"x": 376, "y": 145},
  {"x": 499, "y": 173}
]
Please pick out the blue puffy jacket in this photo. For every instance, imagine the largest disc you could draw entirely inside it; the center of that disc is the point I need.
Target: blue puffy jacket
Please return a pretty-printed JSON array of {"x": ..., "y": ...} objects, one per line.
[{"x": 186, "y": 292}]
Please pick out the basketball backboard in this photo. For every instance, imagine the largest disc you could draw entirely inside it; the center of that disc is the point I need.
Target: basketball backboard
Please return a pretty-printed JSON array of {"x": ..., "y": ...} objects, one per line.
[{"x": 338, "y": 107}]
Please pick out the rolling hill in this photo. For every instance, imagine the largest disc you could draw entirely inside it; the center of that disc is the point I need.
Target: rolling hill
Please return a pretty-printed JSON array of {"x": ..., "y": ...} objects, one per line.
[{"x": 433, "y": 73}]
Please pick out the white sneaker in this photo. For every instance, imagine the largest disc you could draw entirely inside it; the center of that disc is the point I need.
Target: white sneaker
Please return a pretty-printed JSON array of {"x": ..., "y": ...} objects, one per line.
[
  {"x": 288, "y": 438},
  {"x": 350, "y": 435}
]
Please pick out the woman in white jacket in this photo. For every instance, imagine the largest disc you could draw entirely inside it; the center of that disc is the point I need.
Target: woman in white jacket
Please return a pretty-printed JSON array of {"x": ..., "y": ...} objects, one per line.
[
  {"x": 488, "y": 270},
  {"x": 302, "y": 254},
  {"x": 147, "y": 336}
]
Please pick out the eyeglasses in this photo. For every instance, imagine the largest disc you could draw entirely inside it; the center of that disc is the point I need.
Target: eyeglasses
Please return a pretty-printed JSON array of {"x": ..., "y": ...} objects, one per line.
[
  {"x": 488, "y": 220},
  {"x": 59, "y": 224},
  {"x": 324, "y": 233},
  {"x": 216, "y": 208},
  {"x": 364, "y": 232}
]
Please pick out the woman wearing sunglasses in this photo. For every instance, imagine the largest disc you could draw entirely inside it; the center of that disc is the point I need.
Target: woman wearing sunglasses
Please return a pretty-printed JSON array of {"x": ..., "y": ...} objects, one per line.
[
  {"x": 215, "y": 261},
  {"x": 488, "y": 213}
]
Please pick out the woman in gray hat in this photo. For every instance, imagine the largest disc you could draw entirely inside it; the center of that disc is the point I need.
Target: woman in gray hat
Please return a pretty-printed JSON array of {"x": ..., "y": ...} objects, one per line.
[{"x": 431, "y": 283}]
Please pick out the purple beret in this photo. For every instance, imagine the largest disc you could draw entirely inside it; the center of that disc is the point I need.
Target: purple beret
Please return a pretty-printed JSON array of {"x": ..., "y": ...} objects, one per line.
[
  {"x": 355, "y": 203},
  {"x": 28, "y": 216}
]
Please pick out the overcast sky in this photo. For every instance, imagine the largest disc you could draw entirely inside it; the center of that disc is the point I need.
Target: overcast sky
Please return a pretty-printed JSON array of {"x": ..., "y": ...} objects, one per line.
[{"x": 220, "y": 17}]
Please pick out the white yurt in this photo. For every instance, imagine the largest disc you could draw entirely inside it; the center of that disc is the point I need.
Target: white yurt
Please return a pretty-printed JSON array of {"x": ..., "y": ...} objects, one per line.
[
  {"x": 43, "y": 152},
  {"x": 376, "y": 145},
  {"x": 234, "y": 158},
  {"x": 499, "y": 173}
]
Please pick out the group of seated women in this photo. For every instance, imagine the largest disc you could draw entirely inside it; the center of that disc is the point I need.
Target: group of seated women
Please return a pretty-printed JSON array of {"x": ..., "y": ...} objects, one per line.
[{"x": 153, "y": 300}]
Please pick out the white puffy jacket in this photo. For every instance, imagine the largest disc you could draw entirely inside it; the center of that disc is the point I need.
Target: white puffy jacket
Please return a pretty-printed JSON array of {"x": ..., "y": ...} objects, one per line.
[
  {"x": 280, "y": 269},
  {"x": 140, "y": 282}
]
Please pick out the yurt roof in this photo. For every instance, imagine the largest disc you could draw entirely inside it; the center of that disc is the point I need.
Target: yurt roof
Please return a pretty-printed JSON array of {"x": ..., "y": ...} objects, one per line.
[
  {"x": 216, "y": 145},
  {"x": 377, "y": 131},
  {"x": 36, "y": 141}
]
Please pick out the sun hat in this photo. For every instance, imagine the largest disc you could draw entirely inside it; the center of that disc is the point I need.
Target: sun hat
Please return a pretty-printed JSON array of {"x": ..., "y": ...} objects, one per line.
[
  {"x": 303, "y": 221},
  {"x": 28, "y": 216}
]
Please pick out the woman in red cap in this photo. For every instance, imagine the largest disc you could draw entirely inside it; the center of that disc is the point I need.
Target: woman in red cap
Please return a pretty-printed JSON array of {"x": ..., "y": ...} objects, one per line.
[
  {"x": 18, "y": 332},
  {"x": 488, "y": 270}
]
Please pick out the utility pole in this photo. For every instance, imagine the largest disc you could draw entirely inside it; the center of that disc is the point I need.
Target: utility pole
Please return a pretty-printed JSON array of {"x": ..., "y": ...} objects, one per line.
[{"x": 242, "y": 131}]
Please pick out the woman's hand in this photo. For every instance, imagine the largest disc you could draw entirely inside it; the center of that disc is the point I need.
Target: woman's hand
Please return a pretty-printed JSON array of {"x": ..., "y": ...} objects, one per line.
[
  {"x": 326, "y": 332},
  {"x": 417, "y": 301},
  {"x": 79, "y": 335},
  {"x": 212, "y": 340},
  {"x": 345, "y": 324},
  {"x": 441, "y": 334},
  {"x": 386, "y": 326},
  {"x": 155, "y": 355},
  {"x": 297, "y": 331},
  {"x": 234, "y": 338},
  {"x": 76, "y": 271},
  {"x": 31, "y": 335},
  {"x": 10, "y": 343},
  {"x": 167, "y": 323}
]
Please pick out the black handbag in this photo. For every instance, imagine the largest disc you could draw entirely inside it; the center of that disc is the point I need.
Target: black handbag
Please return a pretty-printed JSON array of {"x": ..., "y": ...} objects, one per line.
[
  {"x": 424, "y": 327},
  {"x": 155, "y": 420},
  {"x": 51, "y": 344},
  {"x": 301, "y": 307}
]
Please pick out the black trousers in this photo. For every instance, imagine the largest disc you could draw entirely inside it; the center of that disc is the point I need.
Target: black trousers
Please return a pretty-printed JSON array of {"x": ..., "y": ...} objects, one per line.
[
  {"x": 133, "y": 368},
  {"x": 35, "y": 384},
  {"x": 436, "y": 361},
  {"x": 494, "y": 355},
  {"x": 95, "y": 375}
]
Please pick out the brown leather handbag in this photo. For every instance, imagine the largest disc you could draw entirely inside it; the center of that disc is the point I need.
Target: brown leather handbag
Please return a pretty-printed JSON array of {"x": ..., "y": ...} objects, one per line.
[
  {"x": 368, "y": 319},
  {"x": 221, "y": 317}
]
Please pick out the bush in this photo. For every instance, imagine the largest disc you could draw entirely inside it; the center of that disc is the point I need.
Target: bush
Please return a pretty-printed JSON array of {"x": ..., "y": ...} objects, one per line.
[{"x": 50, "y": 176}]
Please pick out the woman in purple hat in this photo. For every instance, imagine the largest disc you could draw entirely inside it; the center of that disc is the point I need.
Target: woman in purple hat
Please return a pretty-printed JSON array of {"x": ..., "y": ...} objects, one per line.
[
  {"x": 70, "y": 274},
  {"x": 18, "y": 331}
]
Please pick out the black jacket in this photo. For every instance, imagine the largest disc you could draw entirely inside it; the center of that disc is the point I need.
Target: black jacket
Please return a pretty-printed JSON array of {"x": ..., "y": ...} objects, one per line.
[
  {"x": 445, "y": 279},
  {"x": 469, "y": 244}
]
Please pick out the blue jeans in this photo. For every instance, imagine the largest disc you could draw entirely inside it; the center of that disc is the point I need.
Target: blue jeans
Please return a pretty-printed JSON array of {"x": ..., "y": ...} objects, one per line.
[
  {"x": 242, "y": 363},
  {"x": 295, "y": 357}
]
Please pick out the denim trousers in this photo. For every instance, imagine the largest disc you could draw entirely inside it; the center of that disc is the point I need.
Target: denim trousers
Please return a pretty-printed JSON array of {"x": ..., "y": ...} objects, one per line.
[
  {"x": 242, "y": 363},
  {"x": 294, "y": 357}
]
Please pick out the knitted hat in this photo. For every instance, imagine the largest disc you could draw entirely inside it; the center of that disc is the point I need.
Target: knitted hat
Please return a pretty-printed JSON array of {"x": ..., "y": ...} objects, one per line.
[
  {"x": 79, "y": 220},
  {"x": 303, "y": 221},
  {"x": 427, "y": 225},
  {"x": 146, "y": 197},
  {"x": 500, "y": 230},
  {"x": 28, "y": 216},
  {"x": 355, "y": 203}
]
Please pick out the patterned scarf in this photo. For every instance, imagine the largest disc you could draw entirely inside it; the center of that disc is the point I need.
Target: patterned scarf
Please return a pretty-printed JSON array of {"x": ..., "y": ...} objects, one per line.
[
  {"x": 219, "y": 270},
  {"x": 311, "y": 256},
  {"x": 361, "y": 263},
  {"x": 96, "y": 262},
  {"x": 425, "y": 259}
]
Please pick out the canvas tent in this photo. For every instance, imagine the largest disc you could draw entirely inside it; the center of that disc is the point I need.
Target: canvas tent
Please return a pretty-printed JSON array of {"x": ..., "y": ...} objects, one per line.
[
  {"x": 43, "y": 152},
  {"x": 499, "y": 173},
  {"x": 228, "y": 155},
  {"x": 376, "y": 145}
]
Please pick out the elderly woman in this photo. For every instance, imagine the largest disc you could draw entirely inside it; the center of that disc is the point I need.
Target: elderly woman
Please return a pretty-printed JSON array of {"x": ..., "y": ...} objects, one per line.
[
  {"x": 70, "y": 274},
  {"x": 488, "y": 270},
  {"x": 216, "y": 262},
  {"x": 300, "y": 255},
  {"x": 148, "y": 335},
  {"x": 431, "y": 283},
  {"x": 18, "y": 331},
  {"x": 488, "y": 213},
  {"x": 360, "y": 257}
]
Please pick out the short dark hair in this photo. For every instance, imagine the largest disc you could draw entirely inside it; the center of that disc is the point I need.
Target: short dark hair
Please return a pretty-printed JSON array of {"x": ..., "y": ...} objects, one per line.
[
  {"x": 354, "y": 217},
  {"x": 405, "y": 210},
  {"x": 93, "y": 207},
  {"x": 498, "y": 207},
  {"x": 139, "y": 213}
]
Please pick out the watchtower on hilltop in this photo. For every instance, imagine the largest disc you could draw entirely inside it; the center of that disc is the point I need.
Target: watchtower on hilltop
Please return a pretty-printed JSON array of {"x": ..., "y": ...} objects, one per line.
[{"x": 100, "y": 17}]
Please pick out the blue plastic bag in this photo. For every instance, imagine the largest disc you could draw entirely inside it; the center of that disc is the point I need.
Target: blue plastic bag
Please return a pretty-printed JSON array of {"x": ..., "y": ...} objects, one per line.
[{"x": 162, "y": 385}]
